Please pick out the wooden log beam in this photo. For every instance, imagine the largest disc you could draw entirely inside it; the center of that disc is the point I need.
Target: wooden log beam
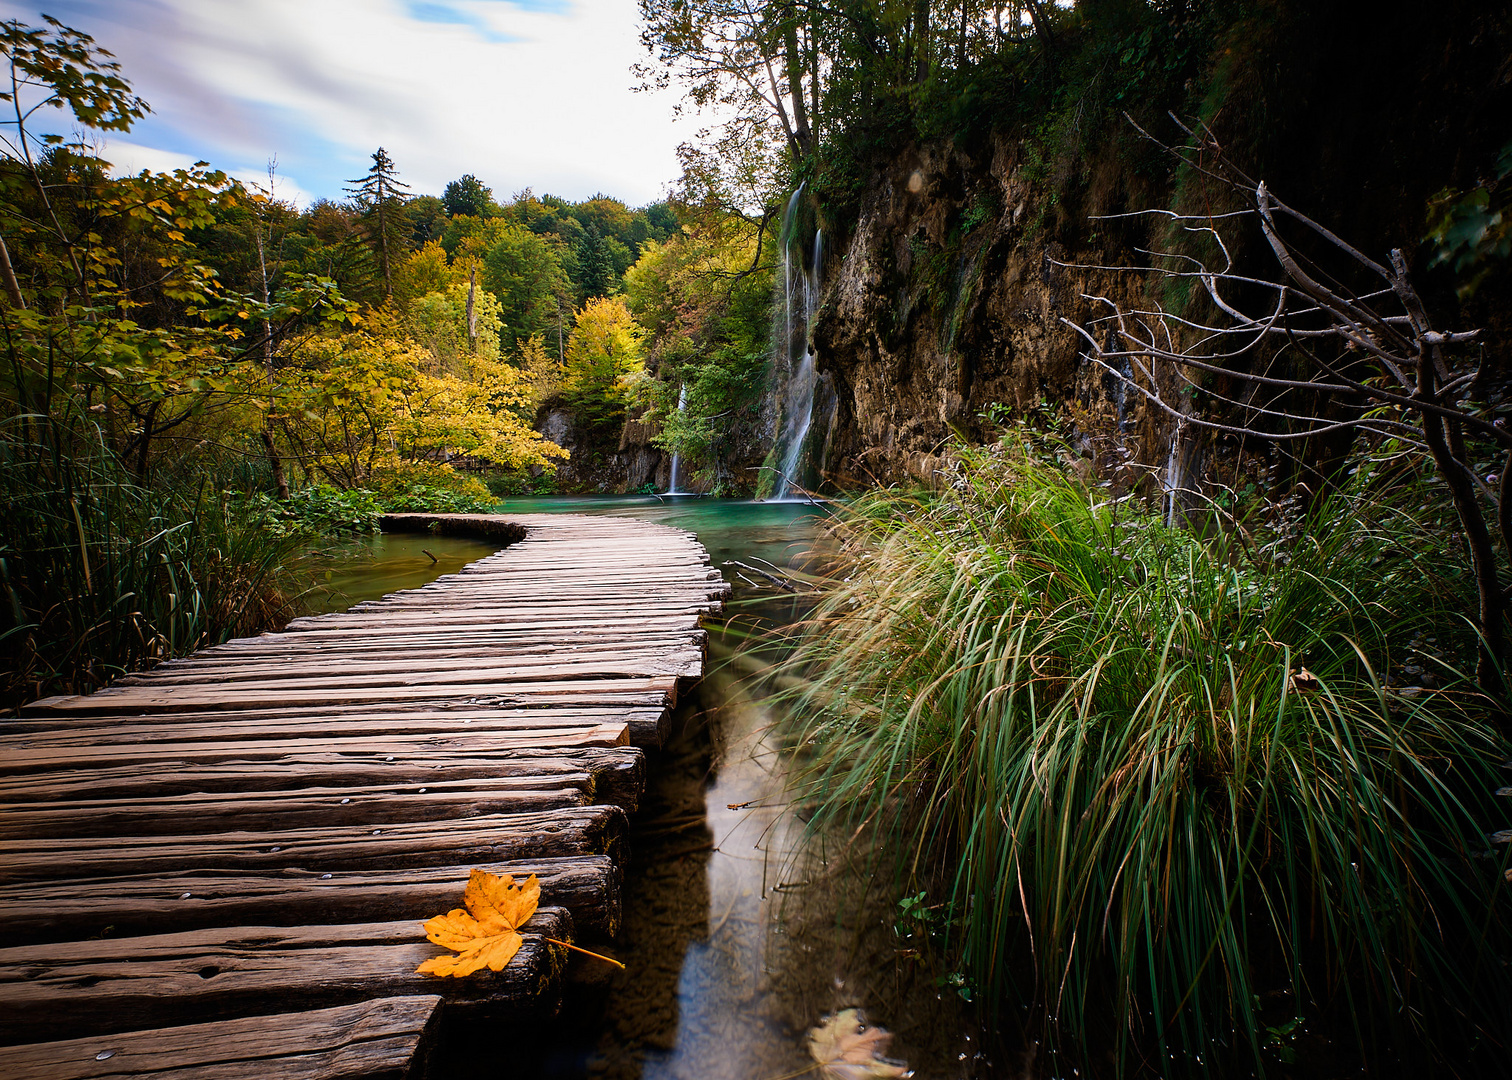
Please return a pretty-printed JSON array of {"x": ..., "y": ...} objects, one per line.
[
  {"x": 618, "y": 774},
  {"x": 371, "y": 1040},
  {"x": 589, "y": 830},
  {"x": 125, "y": 984},
  {"x": 587, "y": 886},
  {"x": 30, "y": 759},
  {"x": 655, "y": 690},
  {"x": 272, "y": 811}
]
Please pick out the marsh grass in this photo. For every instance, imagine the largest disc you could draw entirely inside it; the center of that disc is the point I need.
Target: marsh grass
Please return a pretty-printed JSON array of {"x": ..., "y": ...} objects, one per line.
[
  {"x": 1094, "y": 739},
  {"x": 100, "y": 574}
]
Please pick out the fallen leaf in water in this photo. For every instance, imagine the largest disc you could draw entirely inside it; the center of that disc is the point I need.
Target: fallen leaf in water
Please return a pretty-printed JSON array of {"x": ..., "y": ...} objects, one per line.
[
  {"x": 848, "y": 1048},
  {"x": 488, "y": 933}
]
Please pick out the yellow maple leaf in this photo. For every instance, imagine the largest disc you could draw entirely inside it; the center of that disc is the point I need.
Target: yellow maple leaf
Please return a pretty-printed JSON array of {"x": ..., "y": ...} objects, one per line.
[
  {"x": 487, "y": 934},
  {"x": 846, "y": 1047}
]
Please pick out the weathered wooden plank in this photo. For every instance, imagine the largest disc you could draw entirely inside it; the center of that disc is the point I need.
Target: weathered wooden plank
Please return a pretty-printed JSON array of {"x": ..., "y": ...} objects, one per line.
[
  {"x": 438, "y": 715},
  {"x": 539, "y": 629},
  {"x": 371, "y": 1040},
  {"x": 680, "y": 662},
  {"x": 25, "y": 759},
  {"x": 589, "y": 830},
  {"x": 125, "y": 984},
  {"x": 653, "y": 690},
  {"x": 441, "y": 615},
  {"x": 211, "y": 668},
  {"x": 588, "y": 886},
  {"x": 488, "y": 639},
  {"x": 618, "y": 774},
  {"x": 271, "y": 811}
]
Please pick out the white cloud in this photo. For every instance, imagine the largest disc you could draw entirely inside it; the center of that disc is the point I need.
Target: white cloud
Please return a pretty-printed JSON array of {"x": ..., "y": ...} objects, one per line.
[
  {"x": 516, "y": 94},
  {"x": 128, "y": 158}
]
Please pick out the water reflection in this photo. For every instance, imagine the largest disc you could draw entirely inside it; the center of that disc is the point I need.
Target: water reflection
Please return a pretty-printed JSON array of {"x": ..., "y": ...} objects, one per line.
[{"x": 372, "y": 566}]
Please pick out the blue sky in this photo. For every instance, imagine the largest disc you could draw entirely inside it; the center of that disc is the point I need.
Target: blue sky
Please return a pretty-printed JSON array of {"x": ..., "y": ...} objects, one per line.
[{"x": 518, "y": 92}]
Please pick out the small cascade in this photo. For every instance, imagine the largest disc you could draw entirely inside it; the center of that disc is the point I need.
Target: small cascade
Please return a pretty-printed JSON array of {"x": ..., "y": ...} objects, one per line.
[
  {"x": 800, "y": 292},
  {"x": 682, "y": 404},
  {"x": 1173, "y": 480},
  {"x": 1183, "y": 470}
]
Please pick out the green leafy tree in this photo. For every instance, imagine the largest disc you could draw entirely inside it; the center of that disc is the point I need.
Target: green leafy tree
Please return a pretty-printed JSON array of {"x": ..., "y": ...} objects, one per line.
[
  {"x": 469, "y": 197},
  {"x": 596, "y": 276},
  {"x": 525, "y": 272},
  {"x": 427, "y": 217},
  {"x": 704, "y": 301}
]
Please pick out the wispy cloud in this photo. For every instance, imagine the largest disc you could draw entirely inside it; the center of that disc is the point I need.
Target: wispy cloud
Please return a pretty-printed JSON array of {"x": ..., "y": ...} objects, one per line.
[{"x": 518, "y": 92}]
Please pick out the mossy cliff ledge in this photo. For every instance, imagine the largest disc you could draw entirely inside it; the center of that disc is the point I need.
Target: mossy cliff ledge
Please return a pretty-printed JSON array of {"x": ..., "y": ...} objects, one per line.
[{"x": 947, "y": 300}]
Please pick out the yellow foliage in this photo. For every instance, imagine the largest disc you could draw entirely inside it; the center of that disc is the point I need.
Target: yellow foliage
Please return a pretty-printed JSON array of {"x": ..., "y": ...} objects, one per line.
[
  {"x": 359, "y": 402},
  {"x": 423, "y": 272},
  {"x": 543, "y": 371},
  {"x": 487, "y": 934},
  {"x": 606, "y": 334}
]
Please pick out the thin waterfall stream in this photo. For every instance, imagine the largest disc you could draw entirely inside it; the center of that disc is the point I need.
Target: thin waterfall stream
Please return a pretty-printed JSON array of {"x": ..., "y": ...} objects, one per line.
[
  {"x": 682, "y": 405},
  {"x": 801, "y": 284}
]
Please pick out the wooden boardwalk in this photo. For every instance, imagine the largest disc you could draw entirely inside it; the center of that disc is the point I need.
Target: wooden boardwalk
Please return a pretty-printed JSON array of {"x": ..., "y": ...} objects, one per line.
[{"x": 218, "y": 868}]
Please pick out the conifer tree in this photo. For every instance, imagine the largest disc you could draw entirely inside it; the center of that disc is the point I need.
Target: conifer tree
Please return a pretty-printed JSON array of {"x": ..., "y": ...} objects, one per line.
[
  {"x": 380, "y": 198},
  {"x": 596, "y": 267}
]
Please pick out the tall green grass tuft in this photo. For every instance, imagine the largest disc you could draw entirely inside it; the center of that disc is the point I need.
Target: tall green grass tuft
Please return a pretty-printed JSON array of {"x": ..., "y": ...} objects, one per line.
[
  {"x": 1161, "y": 784},
  {"x": 101, "y": 575}
]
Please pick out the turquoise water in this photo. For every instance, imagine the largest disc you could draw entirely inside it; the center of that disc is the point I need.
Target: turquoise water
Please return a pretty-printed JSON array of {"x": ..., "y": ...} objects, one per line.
[{"x": 780, "y": 533}]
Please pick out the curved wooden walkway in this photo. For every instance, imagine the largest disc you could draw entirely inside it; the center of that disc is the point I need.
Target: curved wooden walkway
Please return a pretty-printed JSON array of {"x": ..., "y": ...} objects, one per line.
[{"x": 218, "y": 868}]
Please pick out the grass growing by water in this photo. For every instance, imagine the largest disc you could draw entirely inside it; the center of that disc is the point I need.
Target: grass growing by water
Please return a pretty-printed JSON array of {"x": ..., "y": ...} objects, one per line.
[
  {"x": 100, "y": 574},
  {"x": 1096, "y": 740}
]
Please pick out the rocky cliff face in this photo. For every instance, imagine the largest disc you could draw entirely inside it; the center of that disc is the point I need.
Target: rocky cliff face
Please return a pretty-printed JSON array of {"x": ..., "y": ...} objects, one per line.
[
  {"x": 948, "y": 302},
  {"x": 600, "y": 468},
  {"x": 947, "y": 295}
]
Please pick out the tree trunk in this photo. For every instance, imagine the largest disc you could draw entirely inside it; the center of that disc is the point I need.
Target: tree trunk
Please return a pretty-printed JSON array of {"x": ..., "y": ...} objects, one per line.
[
  {"x": 388, "y": 280},
  {"x": 472, "y": 313},
  {"x": 921, "y": 42},
  {"x": 269, "y": 447},
  {"x": 12, "y": 286},
  {"x": 802, "y": 134},
  {"x": 1043, "y": 32}
]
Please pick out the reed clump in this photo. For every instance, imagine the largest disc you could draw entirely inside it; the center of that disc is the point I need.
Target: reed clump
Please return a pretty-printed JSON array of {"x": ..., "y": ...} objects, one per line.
[
  {"x": 1174, "y": 808},
  {"x": 102, "y": 574}
]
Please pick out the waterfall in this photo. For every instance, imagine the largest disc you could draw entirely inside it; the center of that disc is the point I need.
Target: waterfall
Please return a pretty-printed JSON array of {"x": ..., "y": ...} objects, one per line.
[
  {"x": 682, "y": 404},
  {"x": 800, "y": 293}
]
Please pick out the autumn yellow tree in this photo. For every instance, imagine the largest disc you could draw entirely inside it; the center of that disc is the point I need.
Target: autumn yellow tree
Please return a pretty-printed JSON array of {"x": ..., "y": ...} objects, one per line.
[
  {"x": 540, "y": 368},
  {"x": 605, "y": 363}
]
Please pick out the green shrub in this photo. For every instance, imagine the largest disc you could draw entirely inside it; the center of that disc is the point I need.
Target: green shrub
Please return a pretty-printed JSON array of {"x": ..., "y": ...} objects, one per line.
[
  {"x": 319, "y": 510},
  {"x": 424, "y": 499},
  {"x": 399, "y": 478},
  {"x": 1164, "y": 782}
]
